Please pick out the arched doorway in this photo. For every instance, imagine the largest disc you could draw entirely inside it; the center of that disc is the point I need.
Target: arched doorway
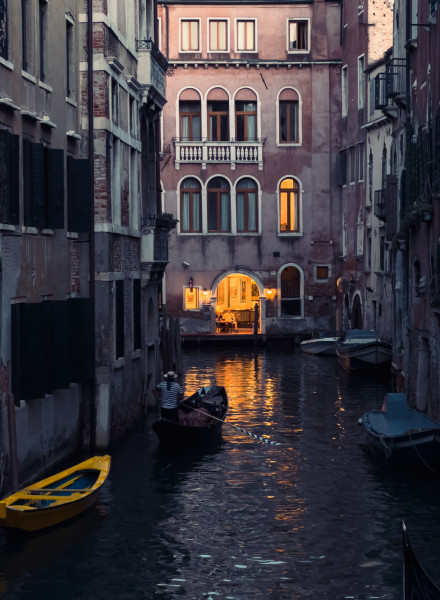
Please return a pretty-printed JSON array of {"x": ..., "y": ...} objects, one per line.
[{"x": 239, "y": 293}]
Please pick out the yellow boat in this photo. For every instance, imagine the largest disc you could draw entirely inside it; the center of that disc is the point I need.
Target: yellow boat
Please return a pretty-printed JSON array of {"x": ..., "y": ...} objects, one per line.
[{"x": 56, "y": 498}]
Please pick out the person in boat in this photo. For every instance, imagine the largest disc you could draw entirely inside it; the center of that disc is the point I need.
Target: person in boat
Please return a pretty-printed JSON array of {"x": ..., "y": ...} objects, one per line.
[
  {"x": 169, "y": 393},
  {"x": 230, "y": 319}
]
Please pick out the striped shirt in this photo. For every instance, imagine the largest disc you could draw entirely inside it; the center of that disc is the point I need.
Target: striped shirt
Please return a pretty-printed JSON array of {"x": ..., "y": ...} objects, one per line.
[{"x": 169, "y": 393}]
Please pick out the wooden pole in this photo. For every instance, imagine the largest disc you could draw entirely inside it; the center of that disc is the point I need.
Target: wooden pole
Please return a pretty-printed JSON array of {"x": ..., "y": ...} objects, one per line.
[{"x": 256, "y": 320}]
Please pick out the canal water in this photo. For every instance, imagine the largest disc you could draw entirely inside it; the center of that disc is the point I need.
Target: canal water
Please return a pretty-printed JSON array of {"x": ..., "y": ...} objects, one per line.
[{"x": 311, "y": 518}]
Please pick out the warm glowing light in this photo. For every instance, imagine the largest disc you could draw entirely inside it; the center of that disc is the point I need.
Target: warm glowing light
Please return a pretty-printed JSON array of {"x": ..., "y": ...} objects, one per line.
[{"x": 270, "y": 293}]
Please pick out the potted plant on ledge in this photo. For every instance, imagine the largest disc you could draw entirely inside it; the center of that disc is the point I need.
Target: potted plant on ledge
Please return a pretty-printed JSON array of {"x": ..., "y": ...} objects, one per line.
[{"x": 166, "y": 221}]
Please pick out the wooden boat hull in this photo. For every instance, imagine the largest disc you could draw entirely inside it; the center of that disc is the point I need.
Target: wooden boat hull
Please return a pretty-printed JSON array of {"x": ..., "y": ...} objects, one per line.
[
  {"x": 417, "y": 584},
  {"x": 325, "y": 346},
  {"x": 179, "y": 434},
  {"x": 362, "y": 350},
  {"x": 402, "y": 435},
  {"x": 56, "y": 498}
]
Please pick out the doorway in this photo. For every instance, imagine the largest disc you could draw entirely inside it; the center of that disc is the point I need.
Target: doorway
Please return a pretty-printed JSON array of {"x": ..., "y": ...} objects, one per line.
[{"x": 239, "y": 294}]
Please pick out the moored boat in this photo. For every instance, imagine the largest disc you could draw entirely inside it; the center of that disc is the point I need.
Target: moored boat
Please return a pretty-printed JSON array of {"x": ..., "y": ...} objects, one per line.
[
  {"x": 201, "y": 417},
  {"x": 417, "y": 584},
  {"x": 362, "y": 349},
  {"x": 57, "y": 498},
  {"x": 402, "y": 435},
  {"x": 324, "y": 345}
]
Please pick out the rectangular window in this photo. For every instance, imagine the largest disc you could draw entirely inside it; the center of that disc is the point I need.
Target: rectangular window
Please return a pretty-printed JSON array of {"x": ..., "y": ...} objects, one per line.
[
  {"x": 298, "y": 35},
  {"x": 247, "y": 211},
  {"x": 288, "y": 121},
  {"x": 190, "y": 121},
  {"x": 344, "y": 91},
  {"x": 137, "y": 324},
  {"x": 69, "y": 58},
  {"x": 25, "y": 33},
  {"x": 322, "y": 273},
  {"x": 4, "y": 40},
  {"x": 246, "y": 38},
  {"x": 246, "y": 121},
  {"x": 190, "y": 35},
  {"x": 218, "y": 35},
  {"x": 361, "y": 158},
  {"x": 9, "y": 177},
  {"x": 115, "y": 101},
  {"x": 342, "y": 168},
  {"x": 43, "y": 26},
  {"x": 191, "y": 298},
  {"x": 119, "y": 319},
  {"x": 218, "y": 120},
  {"x": 361, "y": 82},
  {"x": 352, "y": 164}
]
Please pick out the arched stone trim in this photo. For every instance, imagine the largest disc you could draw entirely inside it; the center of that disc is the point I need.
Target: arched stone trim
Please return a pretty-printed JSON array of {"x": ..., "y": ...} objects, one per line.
[
  {"x": 300, "y": 205},
  {"x": 301, "y": 272}
]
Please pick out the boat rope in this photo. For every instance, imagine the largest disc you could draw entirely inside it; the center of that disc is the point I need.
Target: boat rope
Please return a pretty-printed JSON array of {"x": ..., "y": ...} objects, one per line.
[
  {"x": 421, "y": 457},
  {"x": 253, "y": 435}
]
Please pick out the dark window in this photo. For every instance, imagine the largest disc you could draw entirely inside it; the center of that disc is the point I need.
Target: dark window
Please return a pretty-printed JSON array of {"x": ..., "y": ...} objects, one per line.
[
  {"x": 78, "y": 195},
  {"x": 246, "y": 121},
  {"x": 4, "y": 29},
  {"x": 9, "y": 177},
  {"x": 247, "y": 206},
  {"x": 119, "y": 318},
  {"x": 190, "y": 206},
  {"x": 321, "y": 272},
  {"x": 218, "y": 120},
  {"x": 288, "y": 121},
  {"x": 24, "y": 34},
  {"x": 290, "y": 292},
  {"x": 219, "y": 219},
  {"x": 137, "y": 323},
  {"x": 42, "y": 25}
]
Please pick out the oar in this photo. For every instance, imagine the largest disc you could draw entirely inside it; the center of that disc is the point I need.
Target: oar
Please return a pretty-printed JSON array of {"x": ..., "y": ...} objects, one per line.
[{"x": 256, "y": 437}]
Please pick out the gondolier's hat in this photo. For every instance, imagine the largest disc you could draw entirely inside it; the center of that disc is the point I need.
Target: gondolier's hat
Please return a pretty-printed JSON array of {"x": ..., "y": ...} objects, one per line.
[{"x": 170, "y": 375}]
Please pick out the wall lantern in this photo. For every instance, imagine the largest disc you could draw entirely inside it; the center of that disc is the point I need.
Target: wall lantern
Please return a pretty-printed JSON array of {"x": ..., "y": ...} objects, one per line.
[
  {"x": 191, "y": 283},
  {"x": 270, "y": 293}
]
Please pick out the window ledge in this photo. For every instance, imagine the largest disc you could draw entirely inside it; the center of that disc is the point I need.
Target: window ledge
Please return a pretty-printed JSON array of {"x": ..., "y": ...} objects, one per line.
[
  {"x": 119, "y": 363},
  {"x": 136, "y": 354}
]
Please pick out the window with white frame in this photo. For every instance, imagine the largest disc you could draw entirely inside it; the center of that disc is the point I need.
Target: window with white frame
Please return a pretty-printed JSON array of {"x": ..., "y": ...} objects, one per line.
[
  {"x": 291, "y": 301},
  {"x": 4, "y": 28},
  {"x": 190, "y": 35},
  {"x": 298, "y": 35},
  {"x": 352, "y": 152},
  {"x": 344, "y": 83},
  {"x": 289, "y": 205},
  {"x": 115, "y": 101},
  {"x": 361, "y": 82},
  {"x": 190, "y": 206},
  {"x": 288, "y": 117},
  {"x": 245, "y": 120},
  {"x": 218, "y": 35},
  {"x": 219, "y": 206},
  {"x": 246, "y": 39},
  {"x": 322, "y": 273},
  {"x": 190, "y": 120},
  {"x": 361, "y": 159},
  {"x": 218, "y": 120},
  {"x": 247, "y": 206}
]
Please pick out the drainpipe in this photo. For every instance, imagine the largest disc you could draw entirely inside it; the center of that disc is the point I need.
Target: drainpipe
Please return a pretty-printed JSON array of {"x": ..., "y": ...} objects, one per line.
[{"x": 92, "y": 217}]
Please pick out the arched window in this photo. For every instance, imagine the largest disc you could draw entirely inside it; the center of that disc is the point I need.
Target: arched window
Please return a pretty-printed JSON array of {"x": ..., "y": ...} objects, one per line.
[
  {"x": 190, "y": 206},
  {"x": 189, "y": 115},
  {"x": 289, "y": 205},
  {"x": 288, "y": 119},
  {"x": 219, "y": 206},
  {"x": 291, "y": 302},
  {"x": 247, "y": 203},
  {"x": 245, "y": 116}
]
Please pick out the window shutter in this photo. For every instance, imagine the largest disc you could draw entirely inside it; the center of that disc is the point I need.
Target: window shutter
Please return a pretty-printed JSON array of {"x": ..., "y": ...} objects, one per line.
[
  {"x": 14, "y": 179},
  {"x": 37, "y": 185},
  {"x": 81, "y": 351},
  {"x": 3, "y": 176},
  {"x": 57, "y": 344},
  {"x": 79, "y": 196},
  {"x": 56, "y": 189}
]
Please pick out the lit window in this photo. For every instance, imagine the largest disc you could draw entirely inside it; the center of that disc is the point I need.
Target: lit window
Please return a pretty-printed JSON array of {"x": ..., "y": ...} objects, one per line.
[
  {"x": 218, "y": 35},
  {"x": 189, "y": 35},
  {"x": 289, "y": 209},
  {"x": 298, "y": 36},
  {"x": 246, "y": 39},
  {"x": 191, "y": 298}
]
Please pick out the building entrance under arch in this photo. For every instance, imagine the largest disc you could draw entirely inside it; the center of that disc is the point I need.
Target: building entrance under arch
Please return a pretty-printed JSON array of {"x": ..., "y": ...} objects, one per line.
[{"x": 238, "y": 294}]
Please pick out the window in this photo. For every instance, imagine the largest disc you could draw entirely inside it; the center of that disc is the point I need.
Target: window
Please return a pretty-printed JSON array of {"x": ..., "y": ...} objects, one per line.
[
  {"x": 361, "y": 159},
  {"x": 219, "y": 219},
  {"x": 191, "y": 298},
  {"x": 4, "y": 39},
  {"x": 352, "y": 164},
  {"x": 288, "y": 121},
  {"x": 322, "y": 273},
  {"x": 298, "y": 36},
  {"x": 218, "y": 121},
  {"x": 247, "y": 197},
  {"x": 43, "y": 26},
  {"x": 26, "y": 24},
  {"x": 246, "y": 121},
  {"x": 344, "y": 91},
  {"x": 384, "y": 167},
  {"x": 291, "y": 304},
  {"x": 70, "y": 58},
  {"x": 9, "y": 177},
  {"x": 218, "y": 35},
  {"x": 119, "y": 319},
  {"x": 115, "y": 101},
  {"x": 190, "y": 206},
  {"x": 289, "y": 209},
  {"x": 342, "y": 168},
  {"x": 246, "y": 38},
  {"x": 361, "y": 82},
  {"x": 190, "y": 35},
  {"x": 190, "y": 121},
  {"x": 370, "y": 179},
  {"x": 137, "y": 323}
]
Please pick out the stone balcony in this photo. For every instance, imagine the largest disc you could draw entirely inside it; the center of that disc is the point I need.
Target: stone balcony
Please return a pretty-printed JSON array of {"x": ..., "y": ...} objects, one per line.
[
  {"x": 208, "y": 152},
  {"x": 154, "y": 243},
  {"x": 152, "y": 69}
]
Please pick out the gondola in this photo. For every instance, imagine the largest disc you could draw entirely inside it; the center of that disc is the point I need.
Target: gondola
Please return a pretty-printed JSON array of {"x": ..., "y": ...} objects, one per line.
[
  {"x": 201, "y": 417},
  {"x": 417, "y": 584},
  {"x": 56, "y": 498}
]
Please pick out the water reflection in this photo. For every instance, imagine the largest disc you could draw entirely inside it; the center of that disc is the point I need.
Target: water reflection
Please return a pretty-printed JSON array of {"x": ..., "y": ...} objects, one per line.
[{"x": 311, "y": 518}]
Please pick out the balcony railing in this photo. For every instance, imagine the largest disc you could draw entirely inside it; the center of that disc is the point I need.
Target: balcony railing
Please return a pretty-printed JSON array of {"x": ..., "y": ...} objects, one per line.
[
  {"x": 154, "y": 242},
  {"x": 204, "y": 152},
  {"x": 396, "y": 79},
  {"x": 385, "y": 205},
  {"x": 155, "y": 53}
]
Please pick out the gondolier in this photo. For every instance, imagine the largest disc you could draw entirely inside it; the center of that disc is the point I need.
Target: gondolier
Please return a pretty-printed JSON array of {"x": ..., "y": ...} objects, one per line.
[{"x": 169, "y": 393}]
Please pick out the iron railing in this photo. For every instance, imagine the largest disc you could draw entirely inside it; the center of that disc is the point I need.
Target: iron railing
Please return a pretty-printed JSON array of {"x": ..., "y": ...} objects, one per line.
[{"x": 156, "y": 54}]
